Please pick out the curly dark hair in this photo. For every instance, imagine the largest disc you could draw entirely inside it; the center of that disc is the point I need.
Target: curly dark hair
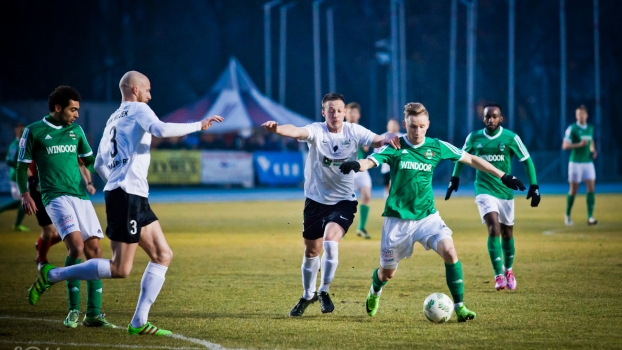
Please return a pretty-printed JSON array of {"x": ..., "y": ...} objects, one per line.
[{"x": 61, "y": 96}]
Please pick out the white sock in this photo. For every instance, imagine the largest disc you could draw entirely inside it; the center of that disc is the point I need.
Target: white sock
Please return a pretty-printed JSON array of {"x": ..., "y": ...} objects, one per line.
[
  {"x": 457, "y": 305},
  {"x": 330, "y": 260},
  {"x": 372, "y": 291},
  {"x": 150, "y": 287},
  {"x": 309, "y": 268},
  {"x": 93, "y": 269}
]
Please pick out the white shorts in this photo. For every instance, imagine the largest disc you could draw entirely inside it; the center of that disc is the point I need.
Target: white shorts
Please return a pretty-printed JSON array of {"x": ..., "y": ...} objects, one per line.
[
  {"x": 70, "y": 214},
  {"x": 579, "y": 172},
  {"x": 504, "y": 207},
  {"x": 362, "y": 179},
  {"x": 15, "y": 190},
  {"x": 399, "y": 237}
]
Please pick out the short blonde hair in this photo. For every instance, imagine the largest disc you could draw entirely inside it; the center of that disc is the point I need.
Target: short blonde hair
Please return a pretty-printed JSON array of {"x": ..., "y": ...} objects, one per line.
[{"x": 415, "y": 109}]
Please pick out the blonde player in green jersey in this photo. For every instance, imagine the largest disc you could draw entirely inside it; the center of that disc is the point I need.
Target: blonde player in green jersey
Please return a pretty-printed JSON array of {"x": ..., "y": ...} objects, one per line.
[
  {"x": 579, "y": 139},
  {"x": 494, "y": 201},
  {"x": 409, "y": 213}
]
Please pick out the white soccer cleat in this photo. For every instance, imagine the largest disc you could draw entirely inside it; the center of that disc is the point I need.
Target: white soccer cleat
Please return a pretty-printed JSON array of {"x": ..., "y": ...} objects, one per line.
[
  {"x": 567, "y": 220},
  {"x": 591, "y": 221}
]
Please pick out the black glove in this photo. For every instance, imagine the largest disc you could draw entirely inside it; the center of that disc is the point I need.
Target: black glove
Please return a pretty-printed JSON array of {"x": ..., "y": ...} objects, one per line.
[
  {"x": 512, "y": 182},
  {"x": 534, "y": 194},
  {"x": 453, "y": 186},
  {"x": 349, "y": 166}
]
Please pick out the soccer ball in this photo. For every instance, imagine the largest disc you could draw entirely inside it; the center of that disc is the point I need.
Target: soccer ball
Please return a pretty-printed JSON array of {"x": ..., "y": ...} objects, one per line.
[{"x": 438, "y": 307}]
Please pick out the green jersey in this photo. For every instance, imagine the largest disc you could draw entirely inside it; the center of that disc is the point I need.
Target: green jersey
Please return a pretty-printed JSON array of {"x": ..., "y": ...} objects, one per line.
[
  {"x": 576, "y": 133},
  {"x": 11, "y": 158},
  {"x": 498, "y": 151},
  {"x": 411, "y": 196},
  {"x": 55, "y": 149}
]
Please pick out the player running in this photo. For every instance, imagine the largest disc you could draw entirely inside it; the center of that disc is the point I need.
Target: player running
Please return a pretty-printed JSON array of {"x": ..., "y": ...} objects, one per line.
[
  {"x": 11, "y": 161},
  {"x": 123, "y": 161},
  {"x": 330, "y": 197},
  {"x": 579, "y": 139},
  {"x": 55, "y": 143},
  {"x": 495, "y": 201},
  {"x": 362, "y": 181},
  {"x": 409, "y": 212}
]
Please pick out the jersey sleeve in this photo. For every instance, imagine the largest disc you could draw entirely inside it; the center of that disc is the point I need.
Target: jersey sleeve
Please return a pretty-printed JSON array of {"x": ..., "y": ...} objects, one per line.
[
  {"x": 26, "y": 145},
  {"x": 568, "y": 134},
  {"x": 145, "y": 116},
  {"x": 518, "y": 147},
  {"x": 84, "y": 150},
  {"x": 468, "y": 145},
  {"x": 382, "y": 155},
  {"x": 313, "y": 130},
  {"x": 365, "y": 135},
  {"x": 449, "y": 151}
]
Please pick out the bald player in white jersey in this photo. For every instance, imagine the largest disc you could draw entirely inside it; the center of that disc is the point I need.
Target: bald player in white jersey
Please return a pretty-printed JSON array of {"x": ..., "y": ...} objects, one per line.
[{"x": 123, "y": 161}]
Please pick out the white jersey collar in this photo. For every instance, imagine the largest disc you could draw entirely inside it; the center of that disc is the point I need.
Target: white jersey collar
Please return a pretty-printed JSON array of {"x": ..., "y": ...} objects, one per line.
[
  {"x": 413, "y": 146},
  {"x": 57, "y": 127},
  {"x": 493, "y": 137},
  {"x": 582, "y": 126}
]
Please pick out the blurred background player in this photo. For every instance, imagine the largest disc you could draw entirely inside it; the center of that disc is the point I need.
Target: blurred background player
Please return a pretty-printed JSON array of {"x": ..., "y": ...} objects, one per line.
[
  {"x": 579, "y": 139},
  {"x": 494, "y": 200},
  {"x": 55, "y": 143},
  {"x": 362, "y": 180},
  {"x": 123, "y": 161},
  {"x": 410, "y": 215},
  {"x": 11, "y": 161},
  {"x": 393, "y": 127},
  {"x": 330, "y": 202}
]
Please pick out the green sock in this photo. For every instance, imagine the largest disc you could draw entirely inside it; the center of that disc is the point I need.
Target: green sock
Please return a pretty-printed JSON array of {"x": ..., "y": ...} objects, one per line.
[
  {"x": 364, "y": 209},
  {"x": 508, "y": 251},
  {"x": 453, "y": 275},
  {"x": 494, "y": 250},
  {"x": 73, "y": 286},
  {"x": 569, "y": 203},
  {"x": 20, "y": 216},
  {"x": 376, "y": 283},
  {"x": 590, "y": 204},
  {"x": 11, "y": 205},
  {"x": 93, "y": 298}
]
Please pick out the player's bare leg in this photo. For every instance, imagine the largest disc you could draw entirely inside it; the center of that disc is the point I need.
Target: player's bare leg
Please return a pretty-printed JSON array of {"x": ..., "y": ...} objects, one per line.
[
  {"x": 507, "y": 243},
  {"x": 152, "y": 241},
  {"x": 453, "y": 274},
  {"x": 589, "y": 184},
  {"x": 572, "y": 192},
  {"x": 365, "y": 198},
  {"x": 494, "y": 248}
]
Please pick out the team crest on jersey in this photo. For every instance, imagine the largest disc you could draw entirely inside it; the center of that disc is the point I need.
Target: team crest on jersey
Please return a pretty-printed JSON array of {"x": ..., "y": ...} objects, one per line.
[
  {"x": 346, "y": 142},
  {"x": 501, "y": 146},
  {"x": 72, "y": 135},
  {"x": 428, "y": 154}
]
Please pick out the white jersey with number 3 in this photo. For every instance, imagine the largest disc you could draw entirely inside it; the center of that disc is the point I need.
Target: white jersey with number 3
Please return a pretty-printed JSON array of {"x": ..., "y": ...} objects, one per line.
[{"x": 324, "y": 182}]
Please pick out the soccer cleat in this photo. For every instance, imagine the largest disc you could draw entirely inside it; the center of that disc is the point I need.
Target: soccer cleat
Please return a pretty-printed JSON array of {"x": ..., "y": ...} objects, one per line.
[
  {"x": 147, "y": 329},
  {"x": 591, "y": 221},
  {"x": 20, "y": 228},
  {"x": 463, "y": 314},
  {"x": 363, "y": 233},
  {"x": 72, "y": 319},
  {"x": 325, "y": 303},
  {"x": 567, "y": 220},
  {"x": 40, "y": 285},
  {"x": 511, "y": 280},
  {"x": 372, "y": 303},
  {"x": 97, "y": 321},
  {"x": 500, "y": 282},
  {"x": 301, "y": 306}
]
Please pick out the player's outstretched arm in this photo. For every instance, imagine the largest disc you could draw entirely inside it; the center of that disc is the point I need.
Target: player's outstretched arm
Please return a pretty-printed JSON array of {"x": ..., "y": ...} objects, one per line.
[
  {"x": 357, "y": 166},
  {"x": 388, "y": 138},
  {"x": 162, "y": 129},
  {"x": 478, "y": 163},
  {"x": 286, "y": 130}
]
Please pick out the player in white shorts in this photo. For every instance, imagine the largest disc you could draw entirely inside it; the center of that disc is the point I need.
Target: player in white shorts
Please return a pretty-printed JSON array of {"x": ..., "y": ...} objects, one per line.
[
  {"x": 330, "y": 197},
  {"x": 123, "y": 161},
  {"x": 409, "y": 213},
  {"x": 54, "y": 144},
  {"x": 362, "y": 181}
]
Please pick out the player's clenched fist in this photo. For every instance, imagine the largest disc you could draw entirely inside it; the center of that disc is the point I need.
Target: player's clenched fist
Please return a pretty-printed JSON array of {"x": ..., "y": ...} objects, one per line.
[
  {"x": 207, "y": 122},
  {"x": 270, "y": 126},
  {"x": 534, "y": 194},
  {"x": 347, "y": 167},
  {"x": 512, "y": 182}
]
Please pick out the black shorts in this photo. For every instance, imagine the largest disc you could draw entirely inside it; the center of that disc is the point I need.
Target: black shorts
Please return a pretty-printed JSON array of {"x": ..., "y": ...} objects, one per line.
[
  {"x": 126, "y": 215},
  {"x": 43, "y": 219},
  {"x": 386, "y": 179},
  {"x": 317, "y": 215}
]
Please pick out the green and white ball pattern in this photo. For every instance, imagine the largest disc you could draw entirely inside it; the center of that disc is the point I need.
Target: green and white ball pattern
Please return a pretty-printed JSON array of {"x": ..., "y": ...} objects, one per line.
[{"x": 438, "y": 307}]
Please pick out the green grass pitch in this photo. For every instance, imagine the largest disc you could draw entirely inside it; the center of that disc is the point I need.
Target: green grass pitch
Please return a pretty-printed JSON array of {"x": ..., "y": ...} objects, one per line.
[{"x": 236, "y": 274}]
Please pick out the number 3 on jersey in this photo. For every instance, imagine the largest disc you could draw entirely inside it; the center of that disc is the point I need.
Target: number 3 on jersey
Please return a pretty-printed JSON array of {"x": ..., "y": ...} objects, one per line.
[
  {"x": 114, "y": 152},
  {"x": 134, "y": 228}
]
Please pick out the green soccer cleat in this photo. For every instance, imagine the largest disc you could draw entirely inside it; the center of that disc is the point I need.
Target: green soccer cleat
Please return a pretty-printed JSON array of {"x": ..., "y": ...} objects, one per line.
[
  {"x": 372, "y": 303},
  {"x": 463, "y": 314},
  {"x": 97, "y": 321},
  {"x": 40, "y": 285},
  {"x": 20, "y": 228},
  {"x": 72, "y": 319},
  {"x": 147, "y": 329}
]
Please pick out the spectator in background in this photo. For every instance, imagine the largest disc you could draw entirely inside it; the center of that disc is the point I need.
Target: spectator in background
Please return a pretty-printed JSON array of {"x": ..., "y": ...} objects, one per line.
[
  {"x": 173, "y": 143},
  {"x": 210, "y": 141}
]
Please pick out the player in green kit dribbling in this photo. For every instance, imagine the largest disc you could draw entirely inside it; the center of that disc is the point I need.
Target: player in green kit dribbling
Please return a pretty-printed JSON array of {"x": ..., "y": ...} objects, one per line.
[
  {"x": 410, "y": 215},
  {"x": 495, "y": 201},
  {"x": 579, "y": 139}
]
